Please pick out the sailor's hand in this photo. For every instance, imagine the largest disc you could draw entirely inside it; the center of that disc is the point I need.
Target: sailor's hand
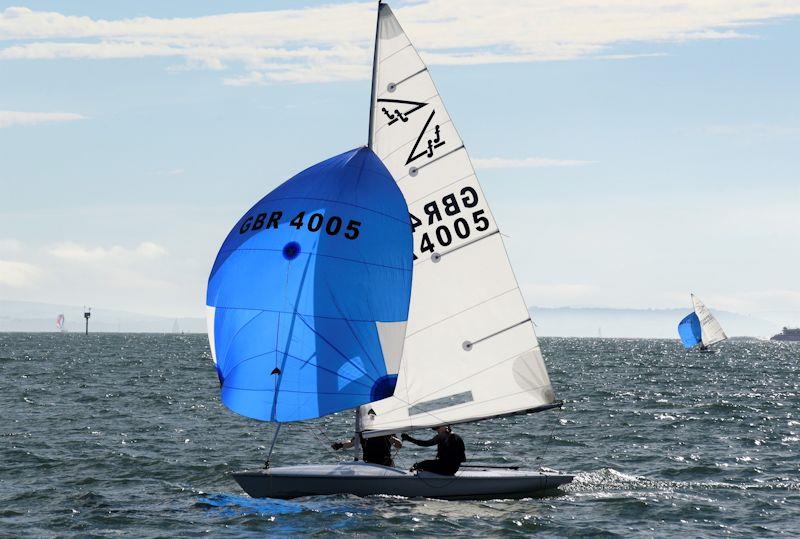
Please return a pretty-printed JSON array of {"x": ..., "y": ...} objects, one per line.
[
  {"x": 405, "y": 437},
  {"x": 337, "y": 446}
]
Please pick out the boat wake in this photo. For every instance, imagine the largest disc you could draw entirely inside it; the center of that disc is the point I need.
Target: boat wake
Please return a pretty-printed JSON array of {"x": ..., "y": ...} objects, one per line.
[{"x": 610, "y": 480}]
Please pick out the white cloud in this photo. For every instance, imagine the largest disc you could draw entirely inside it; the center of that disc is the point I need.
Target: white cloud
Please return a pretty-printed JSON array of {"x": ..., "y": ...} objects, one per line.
[
  {"x": 333, "y": 42},
  {"x": 526, "y": 162},
  {"x": 137, "y": 277},
  {"x": 11, "y": 117},
  {"x": 10, "y": 245},
  {"x": 18, "y": 274},
  {"x": 78, "y": 253},
  {"x": 631, "y": 56}
]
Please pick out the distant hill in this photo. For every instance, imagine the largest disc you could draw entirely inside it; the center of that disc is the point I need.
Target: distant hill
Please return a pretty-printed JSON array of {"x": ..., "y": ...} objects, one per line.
[
  {"x": 643, "y": 323},
  {"x": 38, "y": 317},
  {"x": 550, "y": 322}
]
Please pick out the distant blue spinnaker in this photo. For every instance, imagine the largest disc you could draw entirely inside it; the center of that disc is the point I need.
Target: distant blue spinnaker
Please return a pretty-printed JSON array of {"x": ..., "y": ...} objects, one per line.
[
  {"x": 303, "y": 285},
  {"x": 689, "y": 330}
]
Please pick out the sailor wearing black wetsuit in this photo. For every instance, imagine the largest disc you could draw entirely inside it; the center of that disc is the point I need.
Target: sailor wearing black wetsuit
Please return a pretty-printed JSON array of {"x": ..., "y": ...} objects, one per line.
[
  {"x": 449, "y": 452},
  {"x": 377, "y": 450}
]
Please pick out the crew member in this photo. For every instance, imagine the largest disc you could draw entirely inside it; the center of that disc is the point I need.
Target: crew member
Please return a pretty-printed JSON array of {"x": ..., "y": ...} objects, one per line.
[
  {"x": 449, "y": 453},
  {"x": 377, "y": 450}
]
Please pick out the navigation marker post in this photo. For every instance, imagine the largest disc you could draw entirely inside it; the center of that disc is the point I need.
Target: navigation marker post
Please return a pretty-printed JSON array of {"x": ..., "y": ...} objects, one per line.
[{"x": 87, "y": 313}]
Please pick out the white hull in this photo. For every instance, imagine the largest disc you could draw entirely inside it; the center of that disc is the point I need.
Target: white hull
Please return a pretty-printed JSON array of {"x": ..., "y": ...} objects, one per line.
[{"x": 362, "y": 479}]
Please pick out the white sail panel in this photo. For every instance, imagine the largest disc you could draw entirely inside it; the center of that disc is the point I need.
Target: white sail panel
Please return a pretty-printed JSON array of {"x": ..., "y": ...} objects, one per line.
[
  {"x": 470, "y": 349},
  {"x": 210, "y": 315},
  {"x": 710, "y": 330}
]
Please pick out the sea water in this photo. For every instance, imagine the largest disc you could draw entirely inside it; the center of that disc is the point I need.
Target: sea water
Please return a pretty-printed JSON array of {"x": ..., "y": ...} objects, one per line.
[{"x": 119, "y": 434}]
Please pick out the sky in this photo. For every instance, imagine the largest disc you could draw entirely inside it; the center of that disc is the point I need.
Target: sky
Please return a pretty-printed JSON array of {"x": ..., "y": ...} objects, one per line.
[{"x": 631, "y": 151}]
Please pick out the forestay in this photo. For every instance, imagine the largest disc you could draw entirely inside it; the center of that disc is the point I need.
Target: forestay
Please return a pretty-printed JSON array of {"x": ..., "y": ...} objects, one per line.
[
  {"x": 308, "y": 297},
  {"x": 470, "y": 349},
  {"x": 711, "y": 331}
]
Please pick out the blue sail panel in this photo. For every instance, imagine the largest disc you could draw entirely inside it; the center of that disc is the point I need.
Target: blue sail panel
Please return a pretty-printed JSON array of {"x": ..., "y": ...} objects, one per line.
[
  {"x": 299, "y": 285},
  {"x": 689, "y": 330}
]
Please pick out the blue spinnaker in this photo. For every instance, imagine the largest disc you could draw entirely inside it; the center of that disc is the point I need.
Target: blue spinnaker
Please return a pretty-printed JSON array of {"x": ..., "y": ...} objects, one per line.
[
  {"x": 301, "y": 287},
  {"x": 689, "y": 330}
]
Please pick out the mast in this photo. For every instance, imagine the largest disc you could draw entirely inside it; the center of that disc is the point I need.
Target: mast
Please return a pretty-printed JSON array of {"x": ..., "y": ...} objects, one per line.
[
  {"x": 374, "y": 75},
  {"x": 357, "y": 433}
]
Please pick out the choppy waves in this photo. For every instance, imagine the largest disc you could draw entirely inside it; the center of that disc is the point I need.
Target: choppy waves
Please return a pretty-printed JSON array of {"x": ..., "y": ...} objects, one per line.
[{"x": 124, "y": 434}]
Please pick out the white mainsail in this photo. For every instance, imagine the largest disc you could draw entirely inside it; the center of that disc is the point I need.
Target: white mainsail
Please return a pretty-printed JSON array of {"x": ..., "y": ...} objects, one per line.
[
  {"x": 470, "y": 349},
  {"x": 710, "y": 330}
]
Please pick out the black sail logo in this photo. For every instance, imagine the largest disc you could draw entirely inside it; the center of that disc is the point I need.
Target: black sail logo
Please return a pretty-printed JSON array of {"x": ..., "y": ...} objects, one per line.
[
  {"x": 431, "y": 144},
  {"x": 398, "y": 110}
]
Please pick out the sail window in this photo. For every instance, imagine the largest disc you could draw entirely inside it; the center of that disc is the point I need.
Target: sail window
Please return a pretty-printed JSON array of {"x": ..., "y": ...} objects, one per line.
[{"x": 440, "y": 403}]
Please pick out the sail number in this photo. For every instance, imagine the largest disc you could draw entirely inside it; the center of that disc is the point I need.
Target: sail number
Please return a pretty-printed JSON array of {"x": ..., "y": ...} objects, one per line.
[
  {"x": 450, "y": 205},
  {"x": 316, "y": 222}
]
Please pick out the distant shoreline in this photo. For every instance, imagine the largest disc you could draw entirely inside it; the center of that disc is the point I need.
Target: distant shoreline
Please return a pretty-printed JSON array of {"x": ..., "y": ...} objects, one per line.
[{"x": 32, "y": 317}]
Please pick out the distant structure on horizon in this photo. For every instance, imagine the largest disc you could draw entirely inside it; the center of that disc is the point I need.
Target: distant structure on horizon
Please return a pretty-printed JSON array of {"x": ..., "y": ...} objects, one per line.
[
  {"x": 788, "y": 334},
  {"x": 87, "y": 313}
]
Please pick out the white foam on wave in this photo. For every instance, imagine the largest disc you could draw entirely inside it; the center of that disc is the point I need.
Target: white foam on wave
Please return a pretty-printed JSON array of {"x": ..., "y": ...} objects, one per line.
[{"x": 610, "y": 480}]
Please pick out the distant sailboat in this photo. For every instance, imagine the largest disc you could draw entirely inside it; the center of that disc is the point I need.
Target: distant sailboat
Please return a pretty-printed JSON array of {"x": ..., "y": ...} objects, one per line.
[
  {"x": 60, "y": 322},
  {"x": 700, "y": 327},
  {"x": 312, "y": 308}
]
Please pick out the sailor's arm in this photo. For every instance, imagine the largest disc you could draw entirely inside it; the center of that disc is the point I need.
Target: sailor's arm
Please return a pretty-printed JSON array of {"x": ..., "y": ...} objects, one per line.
[
  {"x": 422, "y": 443},
  {"x": 342, "y": 445},
  {"x": 395, "y": 441}
]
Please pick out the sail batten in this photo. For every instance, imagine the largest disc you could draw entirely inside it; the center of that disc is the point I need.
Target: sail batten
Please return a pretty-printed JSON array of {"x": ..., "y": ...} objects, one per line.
[{"x": 469, "y": 331}]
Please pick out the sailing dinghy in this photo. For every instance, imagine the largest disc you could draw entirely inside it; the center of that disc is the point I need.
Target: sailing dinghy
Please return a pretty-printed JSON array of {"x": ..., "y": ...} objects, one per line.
[
  {"x": 312, "y": 308},
  {"x": 700, "y": 327}
]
